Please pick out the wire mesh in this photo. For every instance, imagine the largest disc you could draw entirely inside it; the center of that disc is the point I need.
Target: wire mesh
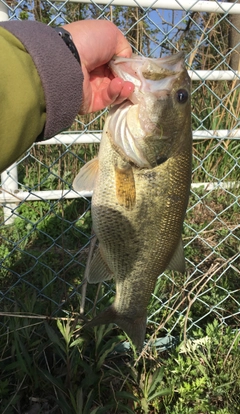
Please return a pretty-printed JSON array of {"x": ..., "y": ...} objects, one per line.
[{"x": 43, "y": 252}]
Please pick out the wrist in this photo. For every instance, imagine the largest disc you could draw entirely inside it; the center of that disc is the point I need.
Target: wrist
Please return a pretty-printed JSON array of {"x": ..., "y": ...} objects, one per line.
[{"x": 68, "y": 40}]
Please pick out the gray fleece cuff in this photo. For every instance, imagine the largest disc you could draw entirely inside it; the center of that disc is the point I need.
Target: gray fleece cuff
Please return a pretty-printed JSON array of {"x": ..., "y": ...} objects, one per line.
[{"x": 59, "y": 71}]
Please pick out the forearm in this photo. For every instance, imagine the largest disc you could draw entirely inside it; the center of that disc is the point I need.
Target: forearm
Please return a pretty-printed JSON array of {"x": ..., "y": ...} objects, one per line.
[{"x": 40, "y": 86}]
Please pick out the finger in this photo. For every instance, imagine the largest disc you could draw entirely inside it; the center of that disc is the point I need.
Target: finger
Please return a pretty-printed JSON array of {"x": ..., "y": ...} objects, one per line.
[
  {"x": 118, "y": 90},
  {"x": 123, "y": 48},
  {"x": 114, "y": 93}
]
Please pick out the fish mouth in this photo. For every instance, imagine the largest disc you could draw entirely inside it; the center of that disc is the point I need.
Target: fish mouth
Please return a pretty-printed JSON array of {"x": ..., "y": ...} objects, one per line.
[
  {"x": 141, "y": 119},
  {"x": 147, "y": 74}
]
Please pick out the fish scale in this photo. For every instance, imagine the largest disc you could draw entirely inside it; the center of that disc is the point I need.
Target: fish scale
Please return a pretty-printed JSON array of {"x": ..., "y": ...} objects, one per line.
[{"x": 141, "y": 181}]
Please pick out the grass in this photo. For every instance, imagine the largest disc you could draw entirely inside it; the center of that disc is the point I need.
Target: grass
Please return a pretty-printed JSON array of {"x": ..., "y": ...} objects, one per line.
[{"x": 52, "y": 366}]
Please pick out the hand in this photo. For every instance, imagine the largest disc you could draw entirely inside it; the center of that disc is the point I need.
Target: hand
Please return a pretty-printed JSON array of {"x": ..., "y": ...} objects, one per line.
[{"x": 97, "y": 42}]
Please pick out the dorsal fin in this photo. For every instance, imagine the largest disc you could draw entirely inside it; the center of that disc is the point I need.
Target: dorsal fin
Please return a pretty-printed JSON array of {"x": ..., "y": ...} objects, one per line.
[{"x": 85, "y": 179}]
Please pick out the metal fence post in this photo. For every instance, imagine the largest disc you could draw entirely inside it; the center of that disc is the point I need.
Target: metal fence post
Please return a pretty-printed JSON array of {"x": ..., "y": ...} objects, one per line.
[
  {"x": 3, "y": 12},
  {"x": 9, "y": 185}
]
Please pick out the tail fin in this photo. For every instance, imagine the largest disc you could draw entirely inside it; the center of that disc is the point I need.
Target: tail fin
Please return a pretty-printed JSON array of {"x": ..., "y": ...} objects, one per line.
[{"x": 134, "y": 328}]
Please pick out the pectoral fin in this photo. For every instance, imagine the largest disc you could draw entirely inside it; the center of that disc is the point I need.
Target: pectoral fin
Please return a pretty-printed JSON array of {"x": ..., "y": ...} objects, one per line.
[
  {"x": 125, "y": 186},
  {"x": 85, "y": 179},
  {"x": 99, "y": 270},
  {"x": 177, "y": 261}
]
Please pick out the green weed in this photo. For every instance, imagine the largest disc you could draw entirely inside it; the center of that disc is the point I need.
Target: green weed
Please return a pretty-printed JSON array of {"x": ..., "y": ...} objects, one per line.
[{"x": 67, "y": 368}]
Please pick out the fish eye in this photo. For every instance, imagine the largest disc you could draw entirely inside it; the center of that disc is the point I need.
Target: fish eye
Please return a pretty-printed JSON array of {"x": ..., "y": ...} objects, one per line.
[{"x": 182, "y": 95}]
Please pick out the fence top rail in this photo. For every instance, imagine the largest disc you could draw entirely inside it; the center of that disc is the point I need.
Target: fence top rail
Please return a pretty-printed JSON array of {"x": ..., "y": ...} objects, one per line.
[
  {"x": 78, "y": 137},
  {"x": 188, "y": 5},
  {"x": 216, "y": 75}
]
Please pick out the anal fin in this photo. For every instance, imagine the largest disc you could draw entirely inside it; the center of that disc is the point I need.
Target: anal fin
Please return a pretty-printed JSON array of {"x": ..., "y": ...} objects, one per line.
[
  {"x": 99, "y": 270},
  {"x": 177, "y": 261}
]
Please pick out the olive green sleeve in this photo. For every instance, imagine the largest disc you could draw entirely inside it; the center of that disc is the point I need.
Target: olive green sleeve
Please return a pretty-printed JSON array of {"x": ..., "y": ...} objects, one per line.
[
  {"x": 40, "y": 86},
  {"x": 22, "y": 102}
]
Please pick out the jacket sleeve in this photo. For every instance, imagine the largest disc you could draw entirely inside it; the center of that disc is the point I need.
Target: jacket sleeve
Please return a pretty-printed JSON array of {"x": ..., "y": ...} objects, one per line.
[{"x": 40, "y": 86}]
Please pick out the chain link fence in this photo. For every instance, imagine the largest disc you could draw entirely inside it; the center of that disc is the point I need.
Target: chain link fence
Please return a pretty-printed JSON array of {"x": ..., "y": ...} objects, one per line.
[{"x": 45, "y": 227}]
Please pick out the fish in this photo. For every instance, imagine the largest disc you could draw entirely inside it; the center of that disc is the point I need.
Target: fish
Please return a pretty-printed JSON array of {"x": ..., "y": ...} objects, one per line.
[{"x": 141, "y": 183}]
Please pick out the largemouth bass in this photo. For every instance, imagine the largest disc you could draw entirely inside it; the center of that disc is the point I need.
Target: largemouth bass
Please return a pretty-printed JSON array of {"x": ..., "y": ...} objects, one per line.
[{"x": 141, "y": 181}]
